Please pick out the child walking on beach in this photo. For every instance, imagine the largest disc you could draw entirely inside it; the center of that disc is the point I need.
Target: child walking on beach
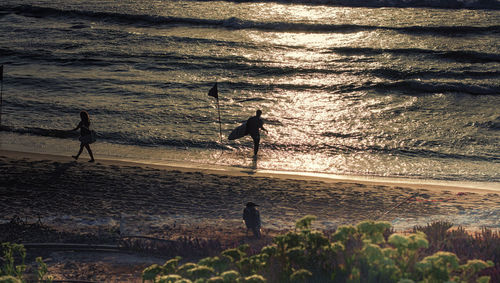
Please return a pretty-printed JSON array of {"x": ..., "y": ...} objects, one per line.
[{"x": 86, "y": 135}]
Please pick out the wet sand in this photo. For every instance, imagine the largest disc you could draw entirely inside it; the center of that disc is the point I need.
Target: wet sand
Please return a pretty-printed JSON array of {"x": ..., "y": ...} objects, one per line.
[{"x": 166, "y": 202}]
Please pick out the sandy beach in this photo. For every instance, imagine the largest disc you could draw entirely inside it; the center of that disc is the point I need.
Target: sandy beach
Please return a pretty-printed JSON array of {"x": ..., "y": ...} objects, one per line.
[
  {"x": 157, "y": 200},
  {"x": 56, "y": 188}
]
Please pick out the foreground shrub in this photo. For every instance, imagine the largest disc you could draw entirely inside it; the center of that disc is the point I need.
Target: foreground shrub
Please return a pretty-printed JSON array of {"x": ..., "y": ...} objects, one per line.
[
  {"x": 10, "y": 271},
  {"x": 9, "y": 279},
  {"x": 484, "y": 244},
  {"x": 352, "y": 254},
  {"x": 9, "y": 267}
]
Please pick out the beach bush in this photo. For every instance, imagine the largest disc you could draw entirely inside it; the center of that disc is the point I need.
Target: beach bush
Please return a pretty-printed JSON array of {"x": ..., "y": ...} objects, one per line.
[
  {"x": 42, "y": 271},
  {"x": 9, "y": 279},
  {"x": 13, "y": 267},
  {"x": 11, "y": 252},
  {"x": 367, "y": 252},
  {"x": 483, "y": 244}
]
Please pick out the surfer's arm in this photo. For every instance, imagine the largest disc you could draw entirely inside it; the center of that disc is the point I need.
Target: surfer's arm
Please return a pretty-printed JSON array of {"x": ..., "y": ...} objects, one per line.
[
  {"x": 262, "y": 126},
  {"x": 77, "y": 127}
]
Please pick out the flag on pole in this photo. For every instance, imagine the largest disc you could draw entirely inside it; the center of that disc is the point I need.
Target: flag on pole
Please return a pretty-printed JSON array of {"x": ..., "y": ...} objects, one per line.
[{"x": 213, "y": 92}]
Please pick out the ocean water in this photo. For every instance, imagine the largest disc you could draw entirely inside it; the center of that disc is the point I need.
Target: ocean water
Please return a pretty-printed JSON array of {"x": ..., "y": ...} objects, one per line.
[{"x": 380, "y": 88}]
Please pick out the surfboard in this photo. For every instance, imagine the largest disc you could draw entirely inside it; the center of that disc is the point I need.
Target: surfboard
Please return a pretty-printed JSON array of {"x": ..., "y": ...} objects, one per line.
[{"x": 238, "y": 132}]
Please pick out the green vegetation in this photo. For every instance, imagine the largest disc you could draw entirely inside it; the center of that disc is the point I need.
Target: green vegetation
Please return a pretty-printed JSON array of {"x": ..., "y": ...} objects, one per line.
[
  {"x": 365, "y": 253},
  {"x": 10, "y": 252},
  {"x": 368, "y": 252},
  {"x": 12, "y": 272}
]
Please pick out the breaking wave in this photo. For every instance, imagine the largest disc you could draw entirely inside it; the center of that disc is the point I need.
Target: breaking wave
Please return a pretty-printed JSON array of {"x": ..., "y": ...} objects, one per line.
[
  {"x": 418, "y": 87},
  {"x": 236, "y": 23},
  {"x": 445, "y": 4},
  {"x": 126, "y": 138}
]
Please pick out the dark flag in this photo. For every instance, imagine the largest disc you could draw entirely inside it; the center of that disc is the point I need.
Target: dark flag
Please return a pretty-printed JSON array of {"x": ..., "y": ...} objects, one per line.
[
  {"x": 1, "y": 73},
  {"x": 213, "y": 92}
]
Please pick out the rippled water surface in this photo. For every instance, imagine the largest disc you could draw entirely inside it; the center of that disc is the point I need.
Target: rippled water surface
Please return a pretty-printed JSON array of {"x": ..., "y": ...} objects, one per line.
[{"x": 411, "y": 92}]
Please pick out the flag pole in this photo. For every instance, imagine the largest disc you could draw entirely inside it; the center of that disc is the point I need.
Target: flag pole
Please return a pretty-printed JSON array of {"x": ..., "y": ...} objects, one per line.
[
  {"x": 1, "y": 93},
  {"x": 220, "y": 123},
  {"x": 1, "y": 101},
  {"x": 214, "y": 92}
]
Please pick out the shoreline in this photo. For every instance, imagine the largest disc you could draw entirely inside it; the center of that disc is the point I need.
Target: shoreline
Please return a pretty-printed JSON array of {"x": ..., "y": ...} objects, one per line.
[
  {"x": 241, "y": 161},
  {"x": 151, "y": 197},
  {"x": 440, "y": 185}
]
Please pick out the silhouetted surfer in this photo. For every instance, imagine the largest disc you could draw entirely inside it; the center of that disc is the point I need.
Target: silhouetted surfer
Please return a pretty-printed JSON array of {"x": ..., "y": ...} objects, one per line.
[
  {"x": 86, "y": 135},
  {"x": 253, "y": 125}
]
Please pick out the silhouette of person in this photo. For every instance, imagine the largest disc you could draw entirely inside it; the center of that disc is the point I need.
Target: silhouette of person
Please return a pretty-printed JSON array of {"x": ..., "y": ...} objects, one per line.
[
  {"x": 251, "y": 216},
  {"x": 85, "y": 135},
  {"x": 253, "y": 125}
]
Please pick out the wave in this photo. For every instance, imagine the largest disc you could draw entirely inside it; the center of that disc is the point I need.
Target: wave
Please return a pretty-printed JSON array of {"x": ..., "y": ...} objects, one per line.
[
  {"x": 115, "y": 137},
  {"x": 417, "y": 86},
  {"x": 394, "y": 74},
  {"x": 236, "y": 23},
  {"x": 489, "y": 125},
  {"x": 45, "y": 55},
  {"x": 459, "y": 56},
  {"x": 420, "y": 87},
  {"x": 123, "y": 114},
  {"x": 126, "y": 138},
  {"x": 416, "y": 151},
  {"x": 41, "y": 132},
  {"x": 48, "y": 12},
  {"x": 161, "y": 62},
  {"x": 417, "y": 82},
  {"x": 411, "y": 87},
  {"x": 447, "y": 4}
]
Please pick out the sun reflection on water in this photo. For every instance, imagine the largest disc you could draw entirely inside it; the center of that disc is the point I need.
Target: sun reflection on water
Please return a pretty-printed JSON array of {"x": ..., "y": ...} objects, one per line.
[{"x": 331, "y": 117}]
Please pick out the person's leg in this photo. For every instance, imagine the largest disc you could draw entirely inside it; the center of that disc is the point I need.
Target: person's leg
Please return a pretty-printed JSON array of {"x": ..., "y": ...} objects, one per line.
[
  {"x": 256, "y": 232},
  {"x": 256, "y": 141},
  {"x": 87, "y": 146},
  {"x": 79, "y": 152}
]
